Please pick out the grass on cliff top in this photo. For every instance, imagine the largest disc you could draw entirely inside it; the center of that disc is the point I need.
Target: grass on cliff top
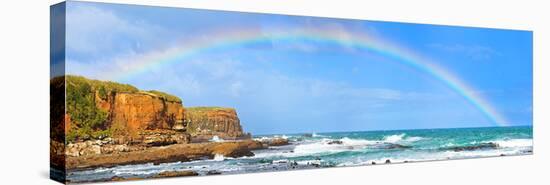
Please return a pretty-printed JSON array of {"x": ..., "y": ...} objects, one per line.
[
  {"x": 103, "y": 87},
  {"x": 166, "y": 96},
  {"x": 208, "y": 108}
]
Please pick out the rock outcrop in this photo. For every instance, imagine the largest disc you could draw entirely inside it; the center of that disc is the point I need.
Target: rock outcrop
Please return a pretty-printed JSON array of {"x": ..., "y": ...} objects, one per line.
[
  {"x": 203, "y": 123},
  {"x": 172, "y": 153}
]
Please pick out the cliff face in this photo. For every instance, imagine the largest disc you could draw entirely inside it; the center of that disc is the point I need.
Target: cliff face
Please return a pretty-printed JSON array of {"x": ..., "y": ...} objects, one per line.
[
  {"x": 207, "y": 122},
  {"x": 142, "y": 111}
]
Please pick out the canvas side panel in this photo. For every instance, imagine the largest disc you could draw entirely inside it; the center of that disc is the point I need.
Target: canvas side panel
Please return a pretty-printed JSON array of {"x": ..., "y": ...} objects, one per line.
[{"x": 58, "y": 120}]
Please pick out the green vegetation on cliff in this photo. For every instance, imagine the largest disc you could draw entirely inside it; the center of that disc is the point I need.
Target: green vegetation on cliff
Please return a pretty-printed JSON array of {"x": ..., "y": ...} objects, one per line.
[
  {"x": 103, "y": 87},
  {"x": 87, "y": 120},
  {"x": 166, "y": 96}
]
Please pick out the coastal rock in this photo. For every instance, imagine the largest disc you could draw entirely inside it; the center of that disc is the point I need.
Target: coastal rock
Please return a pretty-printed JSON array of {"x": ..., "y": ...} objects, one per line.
[
  {"x": 213, "y": 172},
  {"x": 397, "y": 146},
  {"x": 91, "y": 150},
  {"x": 72, "y": 150},
  {"x": 335, "y": 142},
  {"x": 480, "y": 146},
  {"x": 164, "y": 137},
  {"x": 170, "y": 153},
  {"x": 108, "y": 149},
  {"x": 176, "y": 174},
  {"x": 117, "y": 178},
  {"x": 232, "y": 150},
  {"x": 275, "y": 141},
  {"x": 82, "y": 149},
  {"x": 390, "y": 146},
  {"x": 278, "y": 142}
]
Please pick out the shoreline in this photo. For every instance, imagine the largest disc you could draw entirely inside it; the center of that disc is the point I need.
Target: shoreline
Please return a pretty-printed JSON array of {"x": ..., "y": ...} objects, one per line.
[
  {"x": 165, "y": 154},
  {"x": 303, "y": 152}
]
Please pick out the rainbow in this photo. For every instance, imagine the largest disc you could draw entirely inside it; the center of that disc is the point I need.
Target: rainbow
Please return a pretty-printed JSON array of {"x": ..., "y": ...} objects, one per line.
[{"x": 229, "y": 39}]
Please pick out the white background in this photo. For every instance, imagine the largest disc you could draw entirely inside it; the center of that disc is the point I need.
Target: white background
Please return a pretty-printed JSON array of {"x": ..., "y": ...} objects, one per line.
[{"x": 24, "y": 95}]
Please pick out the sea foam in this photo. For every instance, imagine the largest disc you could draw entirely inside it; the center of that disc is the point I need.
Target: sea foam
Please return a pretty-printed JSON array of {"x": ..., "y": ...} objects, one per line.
[
  {"x": 510, "y": 143},
  {"x": 397, "y": 138}
]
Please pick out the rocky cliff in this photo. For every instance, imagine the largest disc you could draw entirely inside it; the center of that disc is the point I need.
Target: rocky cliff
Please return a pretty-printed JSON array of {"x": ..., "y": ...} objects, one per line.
[
  {"x": 137, "y": 112},
  {"x": 101, "y": 109},
  {"x": 207, "y": 122},
  {"x": 95, "y": 110}
]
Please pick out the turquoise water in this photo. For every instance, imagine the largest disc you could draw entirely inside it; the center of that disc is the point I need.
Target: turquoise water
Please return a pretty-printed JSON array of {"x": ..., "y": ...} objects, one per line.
[{"x": 318, "y": 150}]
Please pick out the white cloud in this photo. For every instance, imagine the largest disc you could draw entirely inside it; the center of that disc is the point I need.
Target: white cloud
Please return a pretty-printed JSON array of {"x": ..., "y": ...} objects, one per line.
[{"x": 96, "y": 32}]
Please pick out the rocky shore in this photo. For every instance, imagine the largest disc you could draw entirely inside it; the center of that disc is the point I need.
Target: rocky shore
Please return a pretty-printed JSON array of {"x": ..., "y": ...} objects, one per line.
[{"x": 171, "y": 153}]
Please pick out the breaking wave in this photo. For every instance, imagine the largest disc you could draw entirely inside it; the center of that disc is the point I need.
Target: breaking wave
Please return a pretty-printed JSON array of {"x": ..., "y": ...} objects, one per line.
[{"x": 401, "y": 138}]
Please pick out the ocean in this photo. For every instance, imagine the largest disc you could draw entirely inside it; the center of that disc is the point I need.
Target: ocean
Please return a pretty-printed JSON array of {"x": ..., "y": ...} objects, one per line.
[{"x": 338, "y": 149}]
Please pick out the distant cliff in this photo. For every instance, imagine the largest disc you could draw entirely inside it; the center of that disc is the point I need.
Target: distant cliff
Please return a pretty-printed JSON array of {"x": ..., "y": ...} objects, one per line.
[{"x": 206, "y": 122}]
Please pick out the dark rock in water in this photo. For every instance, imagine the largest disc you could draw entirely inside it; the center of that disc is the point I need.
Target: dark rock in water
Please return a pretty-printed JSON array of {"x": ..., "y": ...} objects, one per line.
[
  {"x": 392, "y": 146},
  {"x": 480, "y": 146},
  {"x": 308, "y": 135},
  {"x": 213, "y": 172},
  {"x": 337, "y": 142},
  {"x": 388, "y": 161},
  {"x": 502, "y": 155},
  {"x": 373, "y": 163},
  {"x": 405, "y": 161},
  {"x": 398, "y": 146}
]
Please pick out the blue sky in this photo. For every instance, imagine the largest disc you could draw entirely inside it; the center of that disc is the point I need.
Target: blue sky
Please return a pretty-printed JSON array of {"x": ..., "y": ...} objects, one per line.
[{"x": 306, "y": 86}]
